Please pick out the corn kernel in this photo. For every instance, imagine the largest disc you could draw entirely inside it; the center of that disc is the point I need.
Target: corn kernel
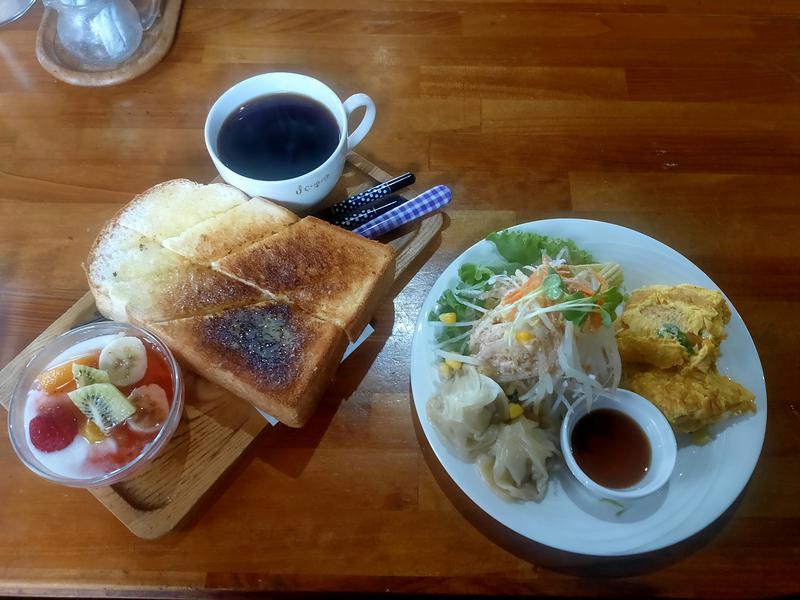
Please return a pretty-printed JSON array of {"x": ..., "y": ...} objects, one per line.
[
  {"x": 514, "y": 410},
  {"x": 523, "y": 337},
  {"x": 453, "y": 364},
  {"x": 448, "y": 318},
  {"x": 444, "y": 370}
]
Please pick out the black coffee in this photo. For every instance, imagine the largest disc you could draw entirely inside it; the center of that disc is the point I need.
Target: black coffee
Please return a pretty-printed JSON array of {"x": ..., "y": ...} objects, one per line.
[{"x": 277, "y": 136}]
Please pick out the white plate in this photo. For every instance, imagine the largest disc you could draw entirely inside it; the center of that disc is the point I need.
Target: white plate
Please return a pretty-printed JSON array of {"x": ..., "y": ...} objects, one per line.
[{"x": 707, "y": 479}]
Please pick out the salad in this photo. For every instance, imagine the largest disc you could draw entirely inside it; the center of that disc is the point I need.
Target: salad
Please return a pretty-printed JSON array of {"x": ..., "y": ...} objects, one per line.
[{"x": 518, "y": 342}]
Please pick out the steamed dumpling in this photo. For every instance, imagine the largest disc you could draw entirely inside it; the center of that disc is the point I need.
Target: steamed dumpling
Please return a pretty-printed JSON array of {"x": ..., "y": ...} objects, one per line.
[
  {"x": 467, "y": 411},
  {"x": 515, "y": 466}
]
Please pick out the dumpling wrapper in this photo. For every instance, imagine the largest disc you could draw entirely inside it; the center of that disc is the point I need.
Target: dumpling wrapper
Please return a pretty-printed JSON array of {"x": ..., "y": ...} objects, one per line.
[
  {"x": 467, "y": 411},
  {"x": 515, "y": 468}
]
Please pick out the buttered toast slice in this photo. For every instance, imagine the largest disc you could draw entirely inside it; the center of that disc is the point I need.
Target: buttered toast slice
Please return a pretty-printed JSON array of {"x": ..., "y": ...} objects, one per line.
[
  {"x": 190, "y": 290},
  {"x": 134, "y": 278},
  {"x": 275, "y": 356},
  {"x": 221, "y": 234},
  {"x": 119, "y": 255},
  {"x": 170, "y": 208},
  {"x": 326, "y": 271}
]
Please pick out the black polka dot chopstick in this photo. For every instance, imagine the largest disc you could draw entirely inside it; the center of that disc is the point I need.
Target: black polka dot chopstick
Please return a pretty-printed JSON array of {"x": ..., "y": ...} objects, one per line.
[
  {"x": 360, "y": 217},
  {"x": 365, "y": 198}
]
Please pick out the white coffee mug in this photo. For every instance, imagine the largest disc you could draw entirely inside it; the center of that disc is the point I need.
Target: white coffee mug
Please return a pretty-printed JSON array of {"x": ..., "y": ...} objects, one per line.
[{"x": 305, "y": 191}]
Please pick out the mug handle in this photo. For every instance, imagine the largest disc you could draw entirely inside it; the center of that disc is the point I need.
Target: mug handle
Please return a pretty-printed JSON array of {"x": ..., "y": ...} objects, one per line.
[{"x": 351, "y": 104}]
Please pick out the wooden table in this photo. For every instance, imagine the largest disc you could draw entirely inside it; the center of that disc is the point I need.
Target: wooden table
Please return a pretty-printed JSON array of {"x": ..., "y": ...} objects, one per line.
[{"x": 675, "y": 117}]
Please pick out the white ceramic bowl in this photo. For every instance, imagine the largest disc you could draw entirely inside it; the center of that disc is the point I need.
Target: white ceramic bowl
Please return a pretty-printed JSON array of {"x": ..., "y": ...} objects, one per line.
[{"x": 659, "y": 434}]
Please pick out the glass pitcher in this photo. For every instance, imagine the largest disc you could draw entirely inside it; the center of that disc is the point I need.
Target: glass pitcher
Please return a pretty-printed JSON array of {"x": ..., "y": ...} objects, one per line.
[
  {"x": 99, "y": 34},
  {"x": 11, "y": 10},
  {"x": 149, "y": 11}
]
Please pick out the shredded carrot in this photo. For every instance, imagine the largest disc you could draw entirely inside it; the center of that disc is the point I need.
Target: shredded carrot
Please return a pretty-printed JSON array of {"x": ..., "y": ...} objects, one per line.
[
  {"x": 533, "y": 282},
  {"x": 581, "y": 287},
  {"x": 595, "y": 321},
  {"x": 603, "y": 281}
]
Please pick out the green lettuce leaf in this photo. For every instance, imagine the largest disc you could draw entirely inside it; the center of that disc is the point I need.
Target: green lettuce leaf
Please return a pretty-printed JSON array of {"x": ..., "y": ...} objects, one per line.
[
  {"x": 447, "y": 303},
  {"x": 472, "y": 273},
  {"x": 527, "y": 248}
]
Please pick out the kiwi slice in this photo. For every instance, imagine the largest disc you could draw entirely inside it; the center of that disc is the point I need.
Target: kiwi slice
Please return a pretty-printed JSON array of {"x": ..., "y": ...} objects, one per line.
[
  {"x": 85, "y": 375},
  {"x": 104, "y": 404}
]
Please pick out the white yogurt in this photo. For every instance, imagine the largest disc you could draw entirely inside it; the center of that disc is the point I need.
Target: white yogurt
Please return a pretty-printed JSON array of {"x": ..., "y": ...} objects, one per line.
[
  {"x": 70, "y": 461},
  {"x": 82, "y": 349}
]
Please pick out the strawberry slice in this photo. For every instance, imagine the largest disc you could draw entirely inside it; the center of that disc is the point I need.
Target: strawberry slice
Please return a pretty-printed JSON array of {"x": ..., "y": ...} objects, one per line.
[{"x": 54, "y": 429}]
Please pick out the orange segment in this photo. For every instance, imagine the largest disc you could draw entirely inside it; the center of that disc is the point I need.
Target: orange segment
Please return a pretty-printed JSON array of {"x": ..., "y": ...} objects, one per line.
[
  {"x": 92, "y": 432},
  {"x": 57, "y": 377}
]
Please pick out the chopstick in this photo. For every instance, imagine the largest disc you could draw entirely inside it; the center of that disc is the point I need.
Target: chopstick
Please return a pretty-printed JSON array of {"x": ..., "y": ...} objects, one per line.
[
  {"x": 419, "y": 206},
  {"x": 366, "y": 197}
]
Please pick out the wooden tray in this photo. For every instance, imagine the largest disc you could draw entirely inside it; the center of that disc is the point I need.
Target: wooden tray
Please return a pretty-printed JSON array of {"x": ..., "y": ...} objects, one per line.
[
  {"x": 216, "y": 426},
  {"x": 156, "y": 42}
]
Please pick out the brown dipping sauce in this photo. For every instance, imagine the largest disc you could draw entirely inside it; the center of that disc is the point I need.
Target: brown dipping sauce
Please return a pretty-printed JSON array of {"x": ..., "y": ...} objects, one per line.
[{"x": 611, "y": 448}]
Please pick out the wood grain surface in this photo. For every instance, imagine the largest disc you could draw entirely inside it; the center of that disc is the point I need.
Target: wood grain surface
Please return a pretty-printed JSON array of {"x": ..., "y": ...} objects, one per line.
[{"x": 678, "y": 118}]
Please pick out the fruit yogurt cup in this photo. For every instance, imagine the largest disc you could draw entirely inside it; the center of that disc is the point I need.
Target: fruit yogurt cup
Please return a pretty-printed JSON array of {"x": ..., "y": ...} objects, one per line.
[{"x": 95, "y": 405}]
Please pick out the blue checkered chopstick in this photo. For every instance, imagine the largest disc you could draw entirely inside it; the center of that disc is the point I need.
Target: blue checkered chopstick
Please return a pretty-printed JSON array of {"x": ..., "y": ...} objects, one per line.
[{"x": 427, "y": 202}]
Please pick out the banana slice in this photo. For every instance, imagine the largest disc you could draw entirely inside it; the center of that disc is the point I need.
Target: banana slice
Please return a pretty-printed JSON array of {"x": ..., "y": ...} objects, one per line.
[
  {"x": 125, "y": 360},
  {"x": 152, "y": 408}
]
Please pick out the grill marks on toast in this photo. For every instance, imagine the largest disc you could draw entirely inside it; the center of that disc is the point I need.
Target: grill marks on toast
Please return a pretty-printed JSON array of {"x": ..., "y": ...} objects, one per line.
[{"x": 331, "y": 273}]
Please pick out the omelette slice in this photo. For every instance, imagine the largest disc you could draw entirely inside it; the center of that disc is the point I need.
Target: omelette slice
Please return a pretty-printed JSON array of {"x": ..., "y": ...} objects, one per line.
[
  {"x": 690, "y": 400},
  {"x": 673, "y": 326}
]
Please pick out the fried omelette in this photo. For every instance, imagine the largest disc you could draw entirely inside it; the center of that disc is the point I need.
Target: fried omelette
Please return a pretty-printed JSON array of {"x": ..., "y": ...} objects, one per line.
[
  {"x": 669, "y": 340},
  {"x": 690, "y": 400},
  {"x": 673, "y": 326}
]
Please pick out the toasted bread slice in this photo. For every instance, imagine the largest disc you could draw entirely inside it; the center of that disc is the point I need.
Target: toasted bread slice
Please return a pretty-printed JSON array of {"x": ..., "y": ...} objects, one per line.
[
  {"x": 221, "y": 234},
  {"x": 271, "y": 354},
  {"x": 122, "y": 254},
  {"x": 189, "y": 291},
  {"x": 331, "y": 273},
  {"x": 170, "y": 208}
]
